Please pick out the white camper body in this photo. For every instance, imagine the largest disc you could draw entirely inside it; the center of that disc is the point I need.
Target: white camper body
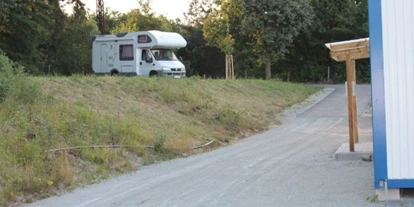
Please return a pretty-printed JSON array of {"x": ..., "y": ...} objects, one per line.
[{"x": 147, "y": 53}]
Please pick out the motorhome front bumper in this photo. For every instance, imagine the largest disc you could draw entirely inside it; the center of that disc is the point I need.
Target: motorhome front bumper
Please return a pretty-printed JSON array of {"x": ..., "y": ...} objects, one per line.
[{"x": 174, "y": 74}]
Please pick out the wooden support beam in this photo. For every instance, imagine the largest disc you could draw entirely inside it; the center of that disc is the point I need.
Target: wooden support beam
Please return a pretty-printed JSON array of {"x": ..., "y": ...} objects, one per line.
[
  {"x": 349, "y": 45},
  {"x": 354, "y": 56},
  {"x": 355, "y": 51},
  {"x": 350, "y": 92},
  {"x": 354, "y": 104}
]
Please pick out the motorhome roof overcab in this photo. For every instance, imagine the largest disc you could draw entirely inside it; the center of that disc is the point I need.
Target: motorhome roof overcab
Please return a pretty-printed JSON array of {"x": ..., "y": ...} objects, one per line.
[{"x": 147, "y": 53}]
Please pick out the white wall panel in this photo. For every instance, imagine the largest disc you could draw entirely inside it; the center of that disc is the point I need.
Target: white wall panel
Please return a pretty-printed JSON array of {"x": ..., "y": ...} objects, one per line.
[{"x": 398, "y": 47}]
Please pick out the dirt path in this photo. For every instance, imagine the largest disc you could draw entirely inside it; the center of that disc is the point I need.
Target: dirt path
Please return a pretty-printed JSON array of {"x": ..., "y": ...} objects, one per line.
[{"x": 289, "y": 165}]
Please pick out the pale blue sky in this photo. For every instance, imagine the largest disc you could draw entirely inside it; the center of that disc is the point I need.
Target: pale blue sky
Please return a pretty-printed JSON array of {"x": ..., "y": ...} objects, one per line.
[{"x": 170, "y": 8}]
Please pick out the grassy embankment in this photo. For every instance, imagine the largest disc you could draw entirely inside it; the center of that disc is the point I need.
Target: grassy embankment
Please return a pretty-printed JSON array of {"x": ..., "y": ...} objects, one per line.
[{"x": 150, "y": 119}]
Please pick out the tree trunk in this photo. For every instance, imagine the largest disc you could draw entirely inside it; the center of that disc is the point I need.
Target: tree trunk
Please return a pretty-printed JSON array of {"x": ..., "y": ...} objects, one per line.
[{"x": 268, "y": 70}]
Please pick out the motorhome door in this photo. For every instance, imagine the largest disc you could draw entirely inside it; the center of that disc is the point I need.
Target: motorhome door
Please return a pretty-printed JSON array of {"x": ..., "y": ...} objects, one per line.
[
  {"x": 146, "y": 67},
  {"x": 104, "y": 59},
  {"x": 138, "y": 64}
]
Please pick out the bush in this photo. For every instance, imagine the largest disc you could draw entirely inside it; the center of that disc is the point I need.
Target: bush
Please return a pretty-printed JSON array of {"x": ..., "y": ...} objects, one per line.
[
  {"x": 15, "y": 83},
  {"x": 6, "y": 69}
]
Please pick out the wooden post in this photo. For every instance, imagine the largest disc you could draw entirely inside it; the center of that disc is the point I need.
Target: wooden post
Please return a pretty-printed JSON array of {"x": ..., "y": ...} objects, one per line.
[
  {"x": 341, "y": 51},
  {"x": 227, "y": 76},
  {"x": 355, "y": 108},
  {"x": 229, "y": 67},
  {"x": 232, "y": 66},
  {"x": 350, "y": 92}
]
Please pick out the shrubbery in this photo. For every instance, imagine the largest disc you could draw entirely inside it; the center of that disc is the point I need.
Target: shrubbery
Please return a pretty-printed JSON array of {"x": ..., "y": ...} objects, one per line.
[{"x": 15, "y": 83}]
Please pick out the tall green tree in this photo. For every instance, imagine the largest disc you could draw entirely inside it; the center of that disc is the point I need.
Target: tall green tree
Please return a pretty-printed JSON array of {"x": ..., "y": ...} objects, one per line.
[
  {"x": 24, "y": 28},
  {"x": 142, "y": 19},
  {"x": 199, "y": 57},
  {"x": 112, "y": 19},
  {"x": 6, "y": 6},
  {"x": 74, "y": 51},
  {"x": 56, "y": 34},
  {"x": 274, "y": 24},
  {"x": 199, "y": 10},
  {"x": 224, "y": 29},
  {"x": 333, "y": 21},
  {"x": 219, "y": 27}
]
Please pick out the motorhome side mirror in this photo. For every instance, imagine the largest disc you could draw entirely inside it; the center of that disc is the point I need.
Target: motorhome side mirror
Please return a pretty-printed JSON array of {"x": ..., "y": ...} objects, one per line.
[
  {"x": 181, "y": 58},
  {"x": 149, "y": 60}
]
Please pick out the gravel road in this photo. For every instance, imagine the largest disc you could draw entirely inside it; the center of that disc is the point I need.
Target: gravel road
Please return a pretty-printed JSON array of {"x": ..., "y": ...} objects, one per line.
[{"x": 289, "y": 165}]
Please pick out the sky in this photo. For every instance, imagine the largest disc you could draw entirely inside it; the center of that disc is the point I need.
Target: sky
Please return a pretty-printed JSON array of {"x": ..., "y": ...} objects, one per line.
[{"x": 170, "y": 8}]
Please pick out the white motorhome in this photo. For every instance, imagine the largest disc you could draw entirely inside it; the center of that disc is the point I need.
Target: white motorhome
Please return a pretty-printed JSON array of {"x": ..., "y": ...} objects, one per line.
[{"x": 146, "y": 53}]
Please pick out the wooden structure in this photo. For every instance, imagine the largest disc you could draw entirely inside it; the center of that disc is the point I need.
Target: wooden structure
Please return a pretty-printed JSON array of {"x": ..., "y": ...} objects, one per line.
[
  {"x": 349, "y": 52},
  {"x": 229, "y": 67}
]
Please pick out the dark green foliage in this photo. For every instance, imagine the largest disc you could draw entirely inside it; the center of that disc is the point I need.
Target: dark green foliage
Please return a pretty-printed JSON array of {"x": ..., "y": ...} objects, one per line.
[
  {"x": 74, "y": 51},
  {"x": 309, "y": 59},
  {"x": 201, "y": 59},
  {"x": 275, "y": 24},
  {"x": 287, "y": 36},
  {"x": 23, "y": 30},
  {"x": 14, "y": 82},
  {"x": 112, "y": 19},
  {"x": 142, "y": 19},
  {"x": 43, "y": 39},
  {"x": 198, "y": 11}
]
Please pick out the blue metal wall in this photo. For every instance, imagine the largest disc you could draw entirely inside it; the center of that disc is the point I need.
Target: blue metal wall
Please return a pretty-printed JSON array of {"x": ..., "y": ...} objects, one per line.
[
  {"x": 377, "y": 87},
  {"x": 389, "y": 23}
]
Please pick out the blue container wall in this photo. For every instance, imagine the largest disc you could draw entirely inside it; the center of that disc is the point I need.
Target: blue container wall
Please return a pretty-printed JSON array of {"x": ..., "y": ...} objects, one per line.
[{"x": 391, "y": 28}]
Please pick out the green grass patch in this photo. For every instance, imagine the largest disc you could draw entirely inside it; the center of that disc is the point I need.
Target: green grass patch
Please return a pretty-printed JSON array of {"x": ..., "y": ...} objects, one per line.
[{"x": 147, "y": 119}]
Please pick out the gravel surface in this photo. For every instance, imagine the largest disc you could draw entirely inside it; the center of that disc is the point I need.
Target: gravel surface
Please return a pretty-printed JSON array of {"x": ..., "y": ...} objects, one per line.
[
  {"x": 290, "y": 165},
  {"x": 292, "y": 112}
]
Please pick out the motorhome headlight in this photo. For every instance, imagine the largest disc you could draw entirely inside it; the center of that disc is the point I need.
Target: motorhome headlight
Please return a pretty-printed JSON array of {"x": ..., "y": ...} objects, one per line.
[{"x": 166, "y": 68}]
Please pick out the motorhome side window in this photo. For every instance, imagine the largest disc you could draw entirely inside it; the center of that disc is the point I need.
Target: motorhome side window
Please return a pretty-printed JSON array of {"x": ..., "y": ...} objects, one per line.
[
  {"x": 126, "y": 52},
  {"x": 144, "y": 39}
]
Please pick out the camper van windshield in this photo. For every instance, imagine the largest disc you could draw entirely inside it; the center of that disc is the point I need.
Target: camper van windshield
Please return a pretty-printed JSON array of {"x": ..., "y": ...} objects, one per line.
[{"x": 161, "y": 54}]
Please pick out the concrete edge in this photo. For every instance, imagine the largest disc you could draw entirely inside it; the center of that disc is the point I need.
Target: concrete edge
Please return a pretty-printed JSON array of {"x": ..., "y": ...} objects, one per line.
[{"x": 362, "y": 149}]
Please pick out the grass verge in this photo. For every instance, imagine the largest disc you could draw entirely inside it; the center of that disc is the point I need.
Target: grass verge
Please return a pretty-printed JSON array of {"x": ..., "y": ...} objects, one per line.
[{"x": 144, "y": 120}]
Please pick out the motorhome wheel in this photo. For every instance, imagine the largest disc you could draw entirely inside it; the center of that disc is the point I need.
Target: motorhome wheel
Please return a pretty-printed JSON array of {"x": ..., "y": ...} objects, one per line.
[{"x": 153, "y": 74}]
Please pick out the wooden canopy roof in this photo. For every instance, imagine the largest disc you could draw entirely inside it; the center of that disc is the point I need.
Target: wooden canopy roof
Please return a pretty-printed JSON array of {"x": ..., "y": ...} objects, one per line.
[{"x": 357, "y": 49}]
